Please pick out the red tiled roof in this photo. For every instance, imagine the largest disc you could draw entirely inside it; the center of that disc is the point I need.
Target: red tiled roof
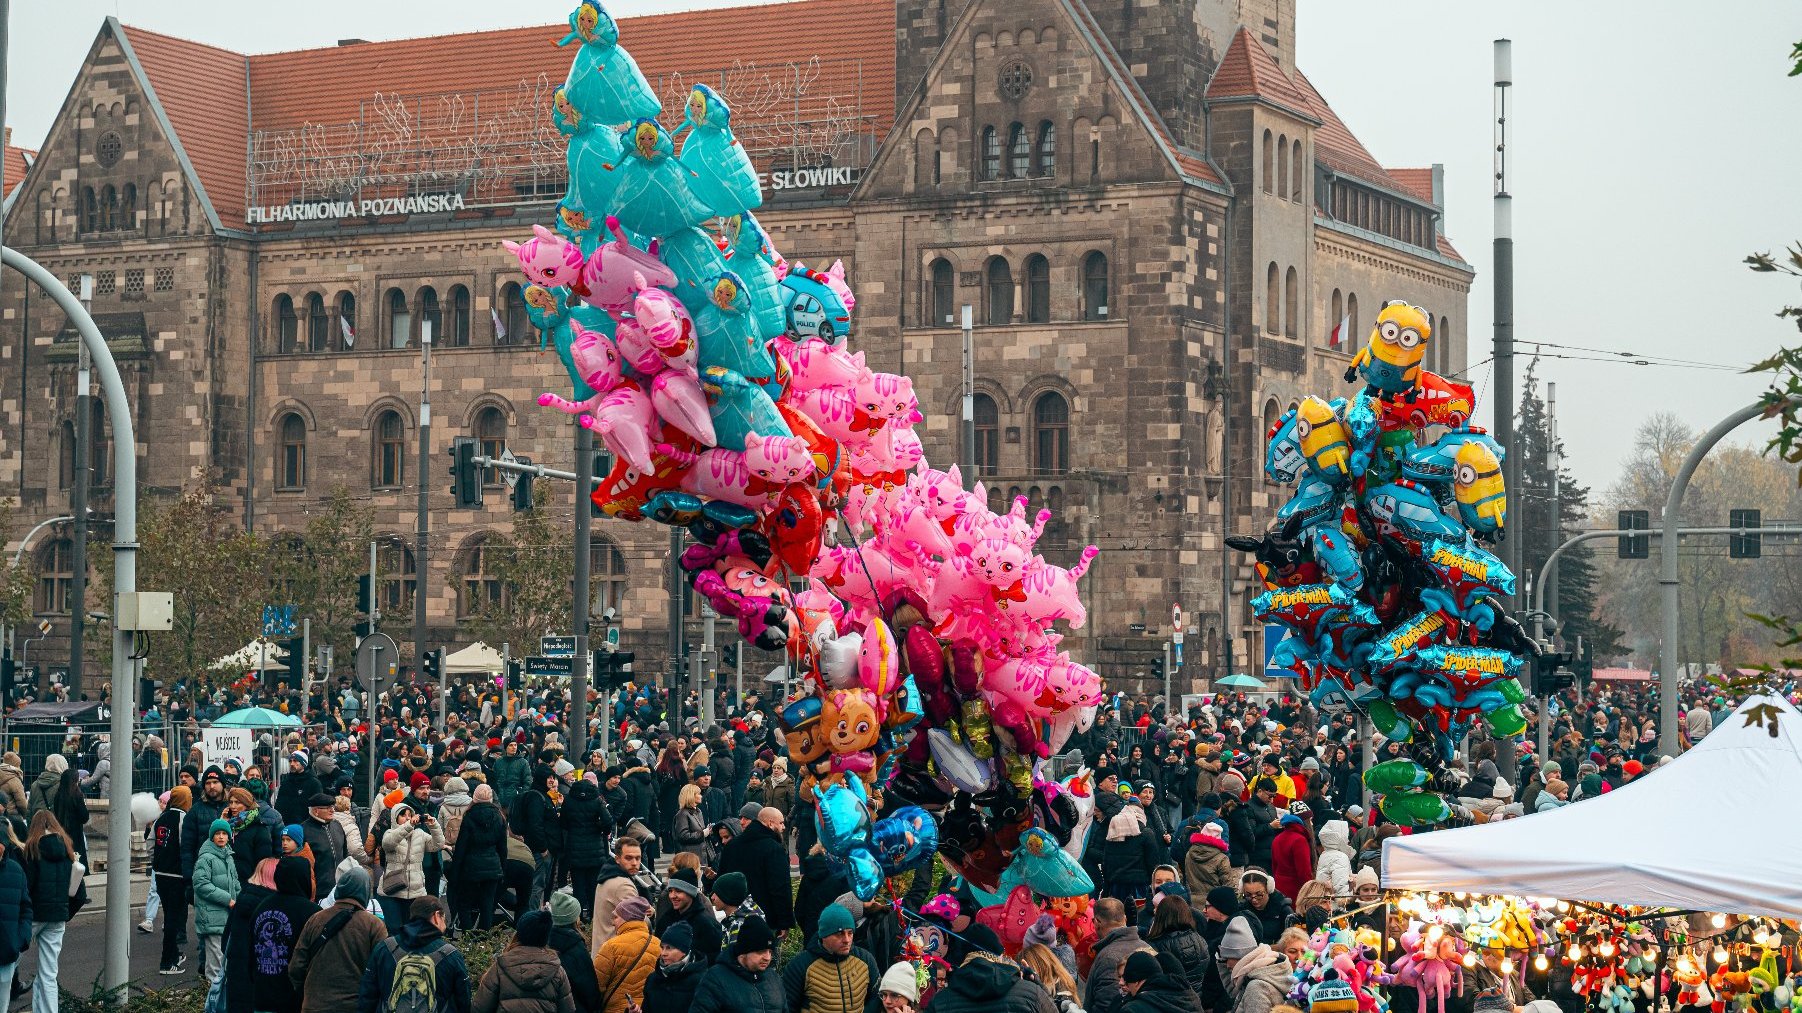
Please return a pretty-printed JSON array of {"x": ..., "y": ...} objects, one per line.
[
  {"x": 201, "y": 88},
  {"x": 1418, "y": 182},
  {"x": 1249, "y": 71},
  {"x": 17, "y": 161},
  {"x": 328, "y": 86},
  {"x": 1335, "y": 145},
  {"x": 1446, "y": 248}
]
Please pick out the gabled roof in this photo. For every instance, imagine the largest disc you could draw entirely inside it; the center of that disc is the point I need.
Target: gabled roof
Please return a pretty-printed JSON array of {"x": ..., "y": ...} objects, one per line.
[
  {"x": 198, "y": 93},
  {"x": 1418, "y": 182},
  {"x": 17, "y": 161},
  {"x": 1248, "y": 71},
  {"x": 1337, "y": 148}
]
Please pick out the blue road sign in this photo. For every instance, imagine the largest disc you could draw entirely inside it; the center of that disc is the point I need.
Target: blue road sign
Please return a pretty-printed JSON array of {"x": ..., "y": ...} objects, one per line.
[
  {"x": 278, "y": 620},
  {"x": 1274, "y": 634}
]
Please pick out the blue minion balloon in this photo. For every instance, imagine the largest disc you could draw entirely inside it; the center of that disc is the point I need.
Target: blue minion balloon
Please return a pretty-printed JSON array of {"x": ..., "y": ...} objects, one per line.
[
  {"x": 604, "y": 82},
  {"x": 1390, "y": 361},
  {"x": 652, "y": 197},
  {"x": 721, "y": 173}
]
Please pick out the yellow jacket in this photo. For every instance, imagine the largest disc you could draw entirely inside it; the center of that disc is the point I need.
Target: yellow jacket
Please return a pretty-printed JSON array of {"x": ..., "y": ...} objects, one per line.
[{"x": 624, "y": 964}]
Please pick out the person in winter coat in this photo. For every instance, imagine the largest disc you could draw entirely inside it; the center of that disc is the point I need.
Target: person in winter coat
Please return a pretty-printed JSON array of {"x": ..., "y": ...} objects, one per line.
[
  {"x": 686, "y": 904},
  {"x": 1259, "y": 980},
  {"x": 479, "y": 860},
  {"x": 1334, "y": 863},
  {"x": 421, "y": 936},
  {"x": 626, "y": 876},
  {"x": 99, "y": 779},
  {"x": 1108, "y": 804},
  {"x": 1556, "y": 794},
  {"x": 1265, "y": 907},
  {"x": 334, "y": 948},
  {"x": 15, "y": 912},
  {"x": 779, "y": 789},
  {"x": 1206, "y": 864},
  {"x": 71, "y": 810},
  {"x": 534, "y": 818},
  {"x": 760, "y": 854},
  {"x": 1150, "y": 988},
  {"x": 1263, "y": 821},
  {"x": 1115, "y": 939},
  {"x": 239, "y": 994},
  {"x": 1173, "y": 932},
  {"x": 671, "y": 987},
  {"x": 1291, "y": 856},
  {"x": 346, "y": 818},
  {"x": 821, "y": 883},
  {"x": 628, "y": 956},
  {"x": 208, "y": 806},
  {"x": 216, "y": 888},
  {"x": 297, "y": 785},
  {"x": 526, "y": 977},
  {"x": 718, "y": 836},
  {"x": 988, "y": 982},
  {"x": 688, "y": 828},
  {"x": 585, "y": 821},
  {"x": 744, "y": 981},
  {"x": 832, "y": 974},
  {"x": 572, "y": 952},
  {"x": 1129, "y": 855},
  {"x": 165, "y": 866},
  {"x": 404, "y": 847},
  {"x": 44, "y": 786},
  {"x": 48, "y": 857},
  {"x": 1157, "y": 816},
  {"x": 274, "y": 929},
  {"x": 13, "y": 799},
  {"x": 252, "y": 840},
  {"x": 324, "y": 837},
  {"x": 512, "y": 776}
]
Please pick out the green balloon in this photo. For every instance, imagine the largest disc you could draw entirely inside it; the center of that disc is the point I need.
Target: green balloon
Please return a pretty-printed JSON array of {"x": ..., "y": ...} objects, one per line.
[
  {"x": 1395, "y": 776},
  {"x": 1506, "y": 721},
  {"x": 1512, "y": 691},
  {"x": 1415, "y": 808},
  {"x": 1388, "y": 722}
]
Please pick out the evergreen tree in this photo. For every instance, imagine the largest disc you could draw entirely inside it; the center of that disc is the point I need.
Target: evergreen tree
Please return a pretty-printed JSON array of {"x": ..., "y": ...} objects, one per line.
[{"x": 1532, "y": 518}]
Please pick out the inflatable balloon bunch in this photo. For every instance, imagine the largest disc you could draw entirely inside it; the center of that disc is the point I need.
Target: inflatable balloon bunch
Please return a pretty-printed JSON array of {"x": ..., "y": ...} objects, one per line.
[
  {"x": 718, "y": 375},
  {"x": 1379, "y": 566}
]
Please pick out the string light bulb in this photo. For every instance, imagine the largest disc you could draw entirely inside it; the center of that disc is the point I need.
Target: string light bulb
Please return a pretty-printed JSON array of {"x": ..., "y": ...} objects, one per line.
[
  {"x": 1576, "y": 953},
  {"x": 1720, "y": 955},
  {"x": 1718, "y": 921},
  {"x": 1507, "y": 965},
  {"x": 1470, "y": 958},
  {"x": 1434, "y": 933},
  {"x": 1761, "y": 937},
  {"x": 1563, "y": 906},
  {"x": 1606, "y": 949},
  {"x": 1540, "y": 963}
]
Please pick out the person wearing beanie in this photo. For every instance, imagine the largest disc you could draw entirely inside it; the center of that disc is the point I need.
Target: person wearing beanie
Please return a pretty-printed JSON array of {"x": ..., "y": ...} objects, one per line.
[
  {"x": 1114, "y": 940},
  {"x": 327, "y": 967},
  {"x": 686, "y": 905},
  {"x": 165, "y": 870},
  {"x": 216, "y": 887},
  {"x": 732, "y": 898},
  {"x": 208, "y": 806},
  {"x": 1150, "y": 989},
  {"x": 526, "y": 976},
  {"x": 627, "y": 958},
  {"x": 985, "y": 981},
  {"x": 899, "y": 988},
  {"x": 1556, "y": 794},
  {"x": 832, "y": 974},
  {"x": 1259, "y": 980},
  {"x": 671, "y": 987},
  {"x": 572, "y": 951},
  {"x": 534, "y": 818},
  {"x": 297, "y": 785},
  {"x": 512, "y": 775},
  {"x": 585, "y": 822},
  {"x": 744, "y": 981}
]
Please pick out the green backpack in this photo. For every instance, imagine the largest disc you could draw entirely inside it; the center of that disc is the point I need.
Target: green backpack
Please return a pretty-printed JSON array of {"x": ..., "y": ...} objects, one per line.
[{"x": 414, "y": 987}]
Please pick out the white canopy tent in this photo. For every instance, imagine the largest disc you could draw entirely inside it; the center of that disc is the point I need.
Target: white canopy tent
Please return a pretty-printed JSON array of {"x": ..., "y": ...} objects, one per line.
[
  {"x": 257, "y": 656},
  {"x": 1705, "y": 832},
  {"x": 476, "y": 659}
]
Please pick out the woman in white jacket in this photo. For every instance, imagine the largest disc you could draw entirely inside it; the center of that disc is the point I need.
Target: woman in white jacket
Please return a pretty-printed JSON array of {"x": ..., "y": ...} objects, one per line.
[
  {"x": 404, "y": 848},
  {"x": 1334, "y": 864}
]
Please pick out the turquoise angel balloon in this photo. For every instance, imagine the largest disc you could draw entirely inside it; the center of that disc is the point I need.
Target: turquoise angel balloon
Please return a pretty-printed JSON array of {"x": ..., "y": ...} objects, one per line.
[
  {"x": 550, "y": 312},
  {"x": 605, "y": 84},
  {"x": 754, "y": 260},
  {"x": 728, "y": 333},
  {"x": 652, "y": 197},
  {"x": 721, "y": 172},
  {"x": 695, "y": 256},
  {"x": 740, "y": 408},
  {"x": 594, "y": 149}
]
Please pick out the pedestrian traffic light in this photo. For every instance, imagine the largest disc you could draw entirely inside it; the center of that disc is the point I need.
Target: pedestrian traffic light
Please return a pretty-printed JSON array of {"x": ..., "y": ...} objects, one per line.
[
  {"x": 522, "y": 488},
  {"x": 516, "y": 676},
  {"x": 9, "y": 673},
  {"x": 365, "y": 606},
  {"x": 432, "y": 663},
  {"x": 729, "y": 656},
  {"x": 1745, "y": 546},
  {"x": 1551, "y": 673},
  {"x": 466, "y": 477},
  {"x": 1633, "y": 546}
]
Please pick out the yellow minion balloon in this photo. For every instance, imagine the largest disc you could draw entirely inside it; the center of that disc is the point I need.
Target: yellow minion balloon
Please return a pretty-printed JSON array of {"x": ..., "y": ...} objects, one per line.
[
  {"x": 1324, "y": 441},
  {"x": 1390, "y": 361},
  {"x": 1477, "y": 486}
]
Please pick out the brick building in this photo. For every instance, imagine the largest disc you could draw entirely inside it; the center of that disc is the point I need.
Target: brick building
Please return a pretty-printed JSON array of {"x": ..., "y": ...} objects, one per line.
[{"x": 1155, "y": 217}]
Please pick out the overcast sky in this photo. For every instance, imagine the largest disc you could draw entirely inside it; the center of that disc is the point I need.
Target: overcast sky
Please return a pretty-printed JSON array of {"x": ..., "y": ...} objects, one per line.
[{"x": 1654, "y": 146}]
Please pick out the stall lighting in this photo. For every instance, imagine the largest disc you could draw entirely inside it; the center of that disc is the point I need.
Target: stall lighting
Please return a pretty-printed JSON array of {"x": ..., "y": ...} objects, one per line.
[
  {"x": 1718, "y": 921},
  {"x": 1576, "y": 953},
  {"x": 1470, "y": 958},
  {"x": 1720, "y": 955},
  {"x": 1540, "y": 963},
  {"x": 1507, "y": 965},
  {"x": 1606, "y": 949}
]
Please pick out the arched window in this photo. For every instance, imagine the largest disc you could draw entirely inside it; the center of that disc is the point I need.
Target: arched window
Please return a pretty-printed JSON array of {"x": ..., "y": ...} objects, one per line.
[
  {"x": 347, "y": 320},
  {"x": 1038, "y": 289},
  {"x": 480, "y": 588},
  {"x": 1019, "y": 152},
  {"x": 1296, "y": 167},
  {"x": 394, "y": 565},
  {"x": 1273, "y": 300},
  {"x": 388, "y": 464},
  {"x": 516, "y": 326},
  {"x": 991, "y": 154},
  {"x": 1050, "y": 434},
  {"x": 458, "y": 334},
  {"x": 90, "y": 210},
  {"x": 1282, "y": 166},
  {"x": 287, "y": 325},
  {"x": 319, "y": 326},
  {"x": 1442, "y": 337},
  {"x": 1291, "y": 303},
  {"x": 56, "y": 574},
  {"x": 491, "y": 430},
  {"x": 1094, "y": 286},
  {"x": 400, "y": 319},
  {"x": 1001, "y": 292},
  {"x": 1352, "y": 335},
  {"x": 109, "y": 208},
  {"x": 996, "y": 506},
  {"x": 291, "y": 459},
  {"x": 128, "y": 206},
  {"x": 943, "y": 294},
  {"x": 430, "y": 321},
  {"x": 100, "y": 447},
  {"x": 1047, "y": 149},
  {"x": 986, "y": 454},
  {"x": 1269, "y": 161},
  {"x": 1336, "y": 315},
  {"x": 607, "y": 575}
]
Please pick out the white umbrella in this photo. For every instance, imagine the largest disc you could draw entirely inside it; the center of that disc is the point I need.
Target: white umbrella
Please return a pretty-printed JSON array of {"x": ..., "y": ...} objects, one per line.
[{"x": 257, "y": 656}]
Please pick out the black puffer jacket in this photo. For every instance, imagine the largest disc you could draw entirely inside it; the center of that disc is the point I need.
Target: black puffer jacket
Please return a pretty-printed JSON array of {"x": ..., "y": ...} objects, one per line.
[
  {"x": 1162, "y": 995},
  {"x": 671, "y": 989},
  {"x": 48, "y": 876},
  {"x": 585, "y": 822},
  {"x": 728, "y": 988},
  {"x": 1190, "y": 950},
  {"x": 988, "y": 986},
  {"x": 481, "y": 851},
  {"x": 763, "y": 858}
]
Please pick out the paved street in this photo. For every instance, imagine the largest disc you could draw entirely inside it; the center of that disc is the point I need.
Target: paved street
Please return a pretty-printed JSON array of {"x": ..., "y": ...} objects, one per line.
[{"x": 84, "y": 948}]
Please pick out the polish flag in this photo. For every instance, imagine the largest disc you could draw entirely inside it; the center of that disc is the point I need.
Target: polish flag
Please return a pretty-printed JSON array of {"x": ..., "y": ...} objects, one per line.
[
  {"x": 1341, "y": 332},
  {"x": 350, "y": 336}
]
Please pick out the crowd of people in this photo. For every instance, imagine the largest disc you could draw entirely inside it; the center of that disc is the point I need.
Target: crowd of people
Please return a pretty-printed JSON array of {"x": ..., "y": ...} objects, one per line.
[{"x": 665, "y": 873}]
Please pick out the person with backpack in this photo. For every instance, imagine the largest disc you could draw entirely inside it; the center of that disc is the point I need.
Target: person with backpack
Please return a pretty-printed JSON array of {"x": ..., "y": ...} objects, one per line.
[
  {"x": 274, "y": 929},
  {"x": 585, "y": 821},
  {"x": 526, "y": 977},
  {"x": 416, "y": 970},
  {"x": 334, "y": 947}
]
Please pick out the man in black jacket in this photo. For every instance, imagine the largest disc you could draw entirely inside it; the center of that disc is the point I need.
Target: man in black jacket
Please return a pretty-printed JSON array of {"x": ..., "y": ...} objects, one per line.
[
  {"x": 585, "y": 822},
  {"x": 1263, "y": 817},
  {"x": 165, "y": 865},
  {"x": 535, "y": 822},
  {"x": 716, "y": 802},
  {"x": 572, "y": 953},
  {"x": 207, "y": 808},
  {"x": 296, "y": 787},
  {"x": 326, "y": 837},
  {"x": 423, "y": 933},
  {"x": 761, "y": 856},
  {"x": 479, "y": 860},
  {"x": 686, "y": 905}
]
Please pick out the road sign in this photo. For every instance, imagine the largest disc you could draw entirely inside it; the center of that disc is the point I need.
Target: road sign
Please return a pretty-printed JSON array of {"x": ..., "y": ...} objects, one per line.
[
  {"x": 1274, "y": 635},
  {"x": 44, "y": 627},
  {"x": 377, "y": 659},
  {"x": 1135, "y": 627},
  {"x": 278, "y": 621},
  {"x": 509, "y": 477},
  {"x": 557, "y": 647},
  {"x": 613, "y": 636},
  {"x": 562, "y": 667}
]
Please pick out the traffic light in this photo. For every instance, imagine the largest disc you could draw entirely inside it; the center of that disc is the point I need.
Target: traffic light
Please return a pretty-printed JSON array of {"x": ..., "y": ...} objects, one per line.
[
  {"x": 466, "y": 477},
  {"x": 365, "y": 605},
  {"x": 1745, "y": 546},
  {"x": 296, "y": 660},
  {"x": 603, "y": 463},
  {"x": 1157, "y": 667},
  {"x": 516, "y": 676},
  {"x": 522, "y": 488},
  {"x": 1551, "y": 673},
  {"x": 612, "y": 669},
  {"x": 1633, "y": 546},
  {"x": 432, "y": 662},
  {"x": 9, "y": 674},
  {"x": 729, "y": 656}
]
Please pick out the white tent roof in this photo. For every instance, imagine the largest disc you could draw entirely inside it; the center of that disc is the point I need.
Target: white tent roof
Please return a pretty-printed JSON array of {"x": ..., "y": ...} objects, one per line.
[
  {"x": 475, "y": 659},
  {"x": 257, "y": 656},
  {"x": 1705, "y": 832}
]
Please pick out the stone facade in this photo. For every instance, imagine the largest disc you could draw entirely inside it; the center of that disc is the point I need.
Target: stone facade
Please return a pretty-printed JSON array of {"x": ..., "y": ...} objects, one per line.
[{"x": 1117, "y": 263}]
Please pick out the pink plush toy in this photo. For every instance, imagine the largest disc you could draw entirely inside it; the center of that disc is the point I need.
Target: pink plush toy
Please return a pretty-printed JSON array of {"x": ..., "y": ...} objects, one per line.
[
  {"x": 547, "y": 258},
  {"x": 751, "y": 478}
]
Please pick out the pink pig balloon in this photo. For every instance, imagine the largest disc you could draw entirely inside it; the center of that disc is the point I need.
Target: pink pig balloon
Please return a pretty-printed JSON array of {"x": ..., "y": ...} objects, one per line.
[{"x": 547, "y": 258}]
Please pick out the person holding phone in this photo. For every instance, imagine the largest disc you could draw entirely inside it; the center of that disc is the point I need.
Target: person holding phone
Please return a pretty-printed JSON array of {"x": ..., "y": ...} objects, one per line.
[{"x": 404, "y": 850}]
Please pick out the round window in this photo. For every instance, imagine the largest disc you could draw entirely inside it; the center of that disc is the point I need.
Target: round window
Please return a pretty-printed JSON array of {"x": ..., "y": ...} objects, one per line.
[
  {"x": 109, "y": 149},
  {"x": 1016, "y": 79}
]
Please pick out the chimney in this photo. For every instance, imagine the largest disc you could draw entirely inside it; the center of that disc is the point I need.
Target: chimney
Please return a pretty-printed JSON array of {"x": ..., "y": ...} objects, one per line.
[{"x": 9, "y": 137}]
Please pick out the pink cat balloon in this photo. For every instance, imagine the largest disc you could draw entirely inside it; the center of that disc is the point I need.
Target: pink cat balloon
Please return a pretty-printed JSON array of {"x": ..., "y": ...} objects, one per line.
[
  {"x": 547, "y": 258},
  {"x": 626, "y": 423},
  {"x": 598, "y": 362},
  {"x": 610, "y": 275},
  {"x": 754, "y": 477},
  {"x": 814, "y": 364}
]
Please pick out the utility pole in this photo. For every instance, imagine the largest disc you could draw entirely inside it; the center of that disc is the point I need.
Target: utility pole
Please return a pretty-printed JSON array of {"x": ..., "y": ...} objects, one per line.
[
  {"x": 968, "y": 428},
  {"x": 1554, "y": 461},
  {"x": 421, "y": 566},
  {"x": 673, "y": 577},
  {"x": 1504, "y": 289},
  {"x": 578, "y": 675},
  {"x": 704, "y": 668},
  {"x": 78, "y": 500},
  {"x": 371, "y": 760},
  {"x": 306, "y": 658},
  {"x": 506, "y": 681}
]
